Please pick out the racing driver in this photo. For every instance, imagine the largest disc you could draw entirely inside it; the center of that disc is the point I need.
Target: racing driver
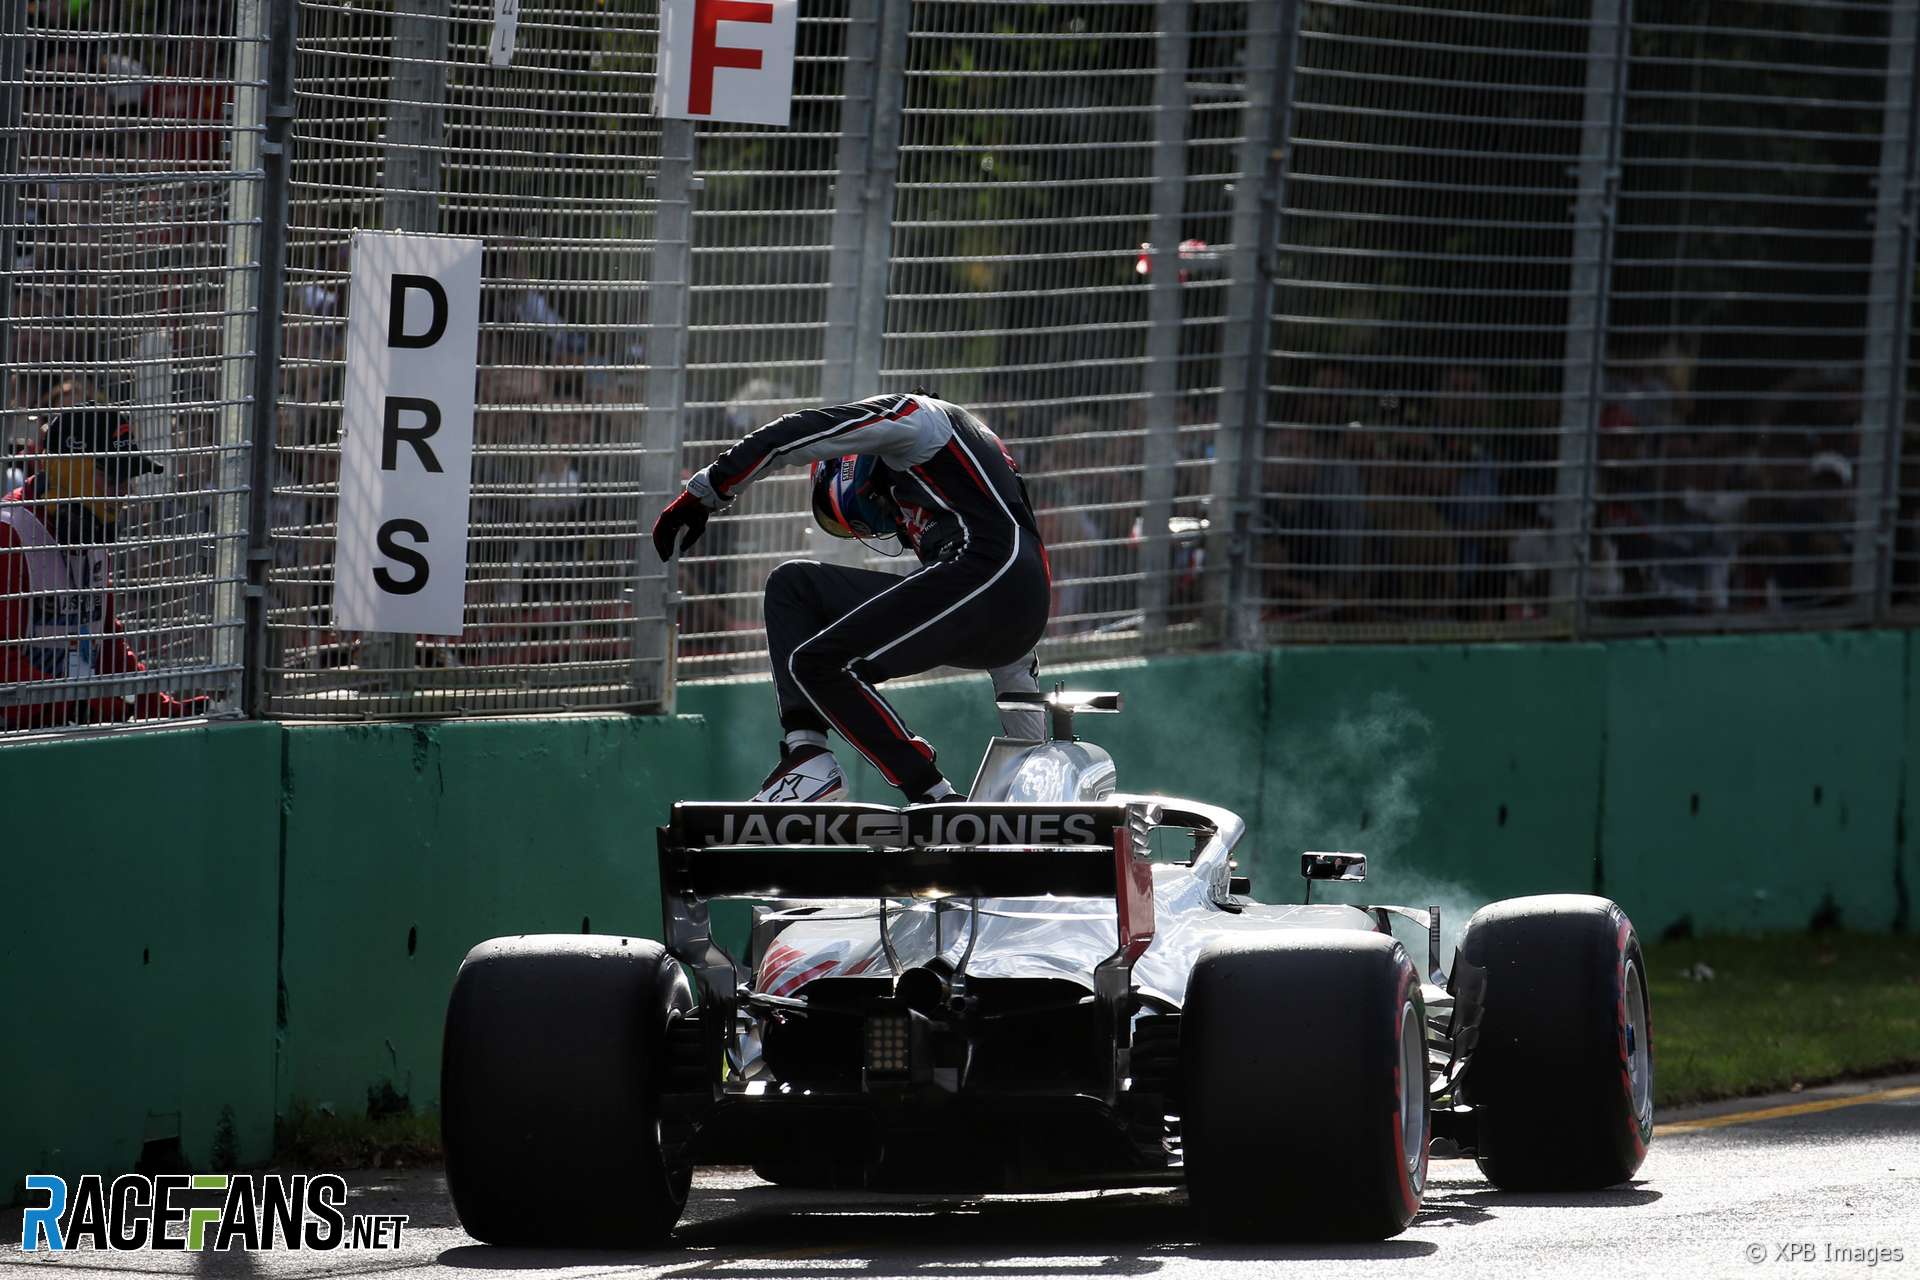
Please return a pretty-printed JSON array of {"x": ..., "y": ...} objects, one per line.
[{"x": 930, "y": 473}]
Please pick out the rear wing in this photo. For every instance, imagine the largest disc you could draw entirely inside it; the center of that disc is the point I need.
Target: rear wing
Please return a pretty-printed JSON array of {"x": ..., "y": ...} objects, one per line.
[
  {"x": 871, "y": 851},
  {"x": 839, "y": 851}
]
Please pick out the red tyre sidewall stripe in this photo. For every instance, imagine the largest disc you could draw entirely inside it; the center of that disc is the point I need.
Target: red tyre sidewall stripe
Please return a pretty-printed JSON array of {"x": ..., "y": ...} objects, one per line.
[
  {"x": 1622, "y": 940},
  {"x": 1409, "y": 1195}
]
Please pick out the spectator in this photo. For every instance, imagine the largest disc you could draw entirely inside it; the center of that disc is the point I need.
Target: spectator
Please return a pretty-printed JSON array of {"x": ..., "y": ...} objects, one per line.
[
  {"x": 1072, "y": 538},
  {"x": 1411, "y": 559},
  {"x": 1640, "y": 410},
  {"x": 40, "y": 344},
  {"x": 1700, "y": 499},
  {"x": 57, "y": 620},
  {"x": 1807, "y": 505},
  {"x": 519, "y": 304},
  {"x": 192, "y": 89},
  {"x": 1316, "y": 515},
  {"x": 1472, "y": 503}
]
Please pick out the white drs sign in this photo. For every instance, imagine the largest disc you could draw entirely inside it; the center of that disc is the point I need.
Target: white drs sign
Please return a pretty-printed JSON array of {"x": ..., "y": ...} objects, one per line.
[
  {"x": 727, "y": 60},
  {"x": 406, "y": 448}
]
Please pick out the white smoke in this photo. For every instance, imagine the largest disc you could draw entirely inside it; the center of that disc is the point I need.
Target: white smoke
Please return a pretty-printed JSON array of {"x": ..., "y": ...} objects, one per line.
[{"x": 1355, "y": 785}]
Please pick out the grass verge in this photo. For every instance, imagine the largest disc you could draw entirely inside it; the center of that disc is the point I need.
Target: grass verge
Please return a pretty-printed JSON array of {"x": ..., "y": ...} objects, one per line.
[
  {"x": 311, "y": 1138},
  {"x": 1780, "y": 1010}
]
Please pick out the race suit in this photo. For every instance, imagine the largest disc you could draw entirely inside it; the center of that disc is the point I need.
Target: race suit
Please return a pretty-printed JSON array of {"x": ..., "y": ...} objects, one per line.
[{"x": 979, "y": 601}]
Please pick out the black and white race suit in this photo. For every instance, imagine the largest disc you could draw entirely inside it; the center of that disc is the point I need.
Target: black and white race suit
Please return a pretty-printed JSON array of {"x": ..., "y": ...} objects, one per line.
[{"x": 979, "y": 600}]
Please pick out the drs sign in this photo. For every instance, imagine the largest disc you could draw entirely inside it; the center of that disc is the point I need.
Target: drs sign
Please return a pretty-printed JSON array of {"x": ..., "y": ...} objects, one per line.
[
  {"x": 406, "y": 449},
  {"x": 727, "y": 60}
]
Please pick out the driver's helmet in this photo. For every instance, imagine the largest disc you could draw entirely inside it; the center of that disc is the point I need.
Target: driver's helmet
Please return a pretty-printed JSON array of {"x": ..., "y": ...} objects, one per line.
[{"x": 849, "y": 501}]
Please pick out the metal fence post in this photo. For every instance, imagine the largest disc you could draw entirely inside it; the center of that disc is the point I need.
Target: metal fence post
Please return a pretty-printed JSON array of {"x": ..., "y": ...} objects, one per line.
[
  {"x": 1590, "y": 281},
  {"x": 1165, "y": 308},
  {"x": 416, "y": 132},
  {"x": 842, "y": 337},
  {"x": 13, "y": 74},
  {"x": 269, "y": 310},
  {"x": 873, "y": 92},
  {"x": 883, "y": 169},
  {"x": 663, "y": 426},
  {"x": 1232, "y": 596},
  {"x": 1889, "y": 321},
  {"x": 239, "y": 338}
]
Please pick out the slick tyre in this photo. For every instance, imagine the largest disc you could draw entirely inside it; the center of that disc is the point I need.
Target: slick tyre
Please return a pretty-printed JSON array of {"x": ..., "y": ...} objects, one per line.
[
  {"x": 549, "y": 1091},
  {"x": 1304, "y": 1087},
  {"x": 1560, "y": 1073}
]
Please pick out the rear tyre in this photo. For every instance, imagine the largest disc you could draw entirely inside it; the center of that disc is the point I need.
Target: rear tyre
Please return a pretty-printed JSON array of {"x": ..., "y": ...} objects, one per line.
[
  {"x": 549, "y": 1091},
  {"x": 1304, "y": 1082},
  {"x": 1561, "y": 1074}
]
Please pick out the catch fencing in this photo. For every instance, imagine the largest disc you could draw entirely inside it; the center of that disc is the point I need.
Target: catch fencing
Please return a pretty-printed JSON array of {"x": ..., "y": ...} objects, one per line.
[
  {"x": 1307, "y": 320},
  {"x": 130, "y": 182}
]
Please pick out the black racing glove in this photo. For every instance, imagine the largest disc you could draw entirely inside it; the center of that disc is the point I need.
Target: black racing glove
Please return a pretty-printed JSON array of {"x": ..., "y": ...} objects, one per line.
[{"x": 684, "y": 512}]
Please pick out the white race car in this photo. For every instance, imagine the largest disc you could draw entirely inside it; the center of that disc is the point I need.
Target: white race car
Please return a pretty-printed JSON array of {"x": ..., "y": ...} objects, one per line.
[{"x": 1052, "y": 984}]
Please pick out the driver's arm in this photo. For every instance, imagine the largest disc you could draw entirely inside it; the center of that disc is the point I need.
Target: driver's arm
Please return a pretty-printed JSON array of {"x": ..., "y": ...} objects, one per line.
[{"x": 901, "y": 429}]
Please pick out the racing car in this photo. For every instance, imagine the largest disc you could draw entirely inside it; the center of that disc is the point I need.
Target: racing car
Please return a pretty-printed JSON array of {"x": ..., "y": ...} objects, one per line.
[{"x": 1052, "y": 984}]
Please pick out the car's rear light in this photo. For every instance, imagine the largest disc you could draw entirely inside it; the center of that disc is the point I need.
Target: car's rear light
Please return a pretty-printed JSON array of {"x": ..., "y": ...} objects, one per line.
[{"x": 887, "y": 1039}]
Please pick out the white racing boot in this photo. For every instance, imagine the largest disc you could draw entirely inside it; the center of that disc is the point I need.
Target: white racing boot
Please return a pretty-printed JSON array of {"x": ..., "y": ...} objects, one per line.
[{"x": 805, "y": 775}]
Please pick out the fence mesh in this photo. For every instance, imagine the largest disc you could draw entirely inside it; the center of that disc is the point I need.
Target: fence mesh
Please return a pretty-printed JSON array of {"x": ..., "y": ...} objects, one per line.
[
  {"x": 764, "y": 236},
  {"x": 1903, "y": 570},
  {"x": 1587, "y": 316},
  {"x": 1736, "y": 478},
  {"x": 1025, "y": 193},
  {"x": 131, "y": 180},
  {"x": 404, "y": 124},
  {"x": 1435, "y": 219}
]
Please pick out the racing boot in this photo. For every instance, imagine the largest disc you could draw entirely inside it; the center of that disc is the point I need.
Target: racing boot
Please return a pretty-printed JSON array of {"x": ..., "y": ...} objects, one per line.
[{"x": 806, "y": 774}]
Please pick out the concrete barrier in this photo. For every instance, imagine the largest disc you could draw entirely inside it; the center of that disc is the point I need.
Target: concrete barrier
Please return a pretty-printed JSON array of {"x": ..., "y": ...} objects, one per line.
[
  {"x": 137, "y": 965},
  {"x": 408, "y": 844}
]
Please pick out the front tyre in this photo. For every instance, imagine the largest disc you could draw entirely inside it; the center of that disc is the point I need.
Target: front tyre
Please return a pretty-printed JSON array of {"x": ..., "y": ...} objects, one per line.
[
  {"x": 549, "y": 1091},
  {"x": 1304, "y": 1070},
  {"x": 1561, "y": 1074}
]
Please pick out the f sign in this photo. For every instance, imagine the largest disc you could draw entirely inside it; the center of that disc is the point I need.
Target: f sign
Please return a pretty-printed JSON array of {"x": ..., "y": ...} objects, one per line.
[
  {"x": 406, "y": 447},
  {"x": 709, "y": 53},
  {"x": 727, "y": 60}
]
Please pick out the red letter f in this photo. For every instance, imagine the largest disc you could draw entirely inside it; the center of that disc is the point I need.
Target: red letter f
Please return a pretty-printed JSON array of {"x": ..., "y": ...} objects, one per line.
[{"x": 708, "y": 53}]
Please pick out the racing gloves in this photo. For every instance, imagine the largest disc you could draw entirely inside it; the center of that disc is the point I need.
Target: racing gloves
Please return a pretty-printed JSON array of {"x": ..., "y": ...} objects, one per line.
[{"x": 685, "y": 512}]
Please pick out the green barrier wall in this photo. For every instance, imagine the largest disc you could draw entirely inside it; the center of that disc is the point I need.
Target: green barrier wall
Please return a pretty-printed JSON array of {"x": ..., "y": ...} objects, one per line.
[
  {"x": 177, "y": 882},
  {"x": 1756, "y": 783},
  {"x": 137, "y": 965},
  {"x": 406, "y": 845}
]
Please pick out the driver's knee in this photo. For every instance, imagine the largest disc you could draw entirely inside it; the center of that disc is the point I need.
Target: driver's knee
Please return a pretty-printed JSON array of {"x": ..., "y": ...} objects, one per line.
[
  {"x": 791, "y": 581},
  {"x": 818, "y": 662}
]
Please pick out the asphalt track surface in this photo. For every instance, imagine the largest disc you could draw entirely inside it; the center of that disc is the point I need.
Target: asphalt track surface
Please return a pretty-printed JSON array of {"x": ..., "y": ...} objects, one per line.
[{"x": 1791, "y": 1190}]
